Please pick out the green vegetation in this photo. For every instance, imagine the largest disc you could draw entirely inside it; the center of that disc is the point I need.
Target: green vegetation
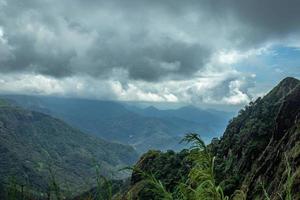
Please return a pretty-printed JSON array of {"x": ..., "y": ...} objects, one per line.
[
  {"x": 4, "y": 103},
  {"x": 199, "y": 184},
  {"x": 31, "y": 142},
  {"x": 287, "y": 186}
]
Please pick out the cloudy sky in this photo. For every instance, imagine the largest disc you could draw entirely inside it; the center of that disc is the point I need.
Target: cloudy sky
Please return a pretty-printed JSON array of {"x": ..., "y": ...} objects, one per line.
[{"x": 195, "y": 51}]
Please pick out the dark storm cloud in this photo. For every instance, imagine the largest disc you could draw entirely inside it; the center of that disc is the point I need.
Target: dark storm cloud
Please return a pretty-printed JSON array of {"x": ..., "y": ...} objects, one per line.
[
  {"x": 274, "y": 15},
  {"x": 169, "y": 58},
  {"x": 27, "y": 57},
  {"x": 263, "y": 20},
  {"x": 147, "y": 40},
  {"x": 113, "y": 46}
]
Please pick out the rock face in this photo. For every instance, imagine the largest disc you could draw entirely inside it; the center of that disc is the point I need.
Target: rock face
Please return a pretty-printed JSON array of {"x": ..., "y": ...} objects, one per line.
[{"x": 261, "y": 142}]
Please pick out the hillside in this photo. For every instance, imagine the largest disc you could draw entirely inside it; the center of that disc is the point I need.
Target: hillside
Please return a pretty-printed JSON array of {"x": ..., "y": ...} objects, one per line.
[
  {"x": 258, "y": 156},
  {"x": 141, "y": 128},
  {"x": 32, "y": 144},
  {"x": 257, "y": 141}
]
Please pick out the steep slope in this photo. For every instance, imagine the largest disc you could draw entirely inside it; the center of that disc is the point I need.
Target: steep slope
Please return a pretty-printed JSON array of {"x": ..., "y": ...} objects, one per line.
[
  {"x": 283, "y": 150},
  {"x": 31, "y": 143},
  {"x": 253, "y": 148}
]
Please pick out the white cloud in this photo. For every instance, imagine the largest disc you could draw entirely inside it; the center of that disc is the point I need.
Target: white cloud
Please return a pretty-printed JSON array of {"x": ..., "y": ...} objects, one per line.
[
  {"x": 197, "y": 90},
  {"x": 235, "y": 56},
  {"x": 236, "y": 96},
  {"x": 3, "y": 3},
  {"x": 1, "y": 34},
  {"x": 138, "y": 50}
]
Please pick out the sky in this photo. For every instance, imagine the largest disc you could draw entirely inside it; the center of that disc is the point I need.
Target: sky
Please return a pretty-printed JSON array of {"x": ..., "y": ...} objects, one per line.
[{"x": 200, "y": 52}]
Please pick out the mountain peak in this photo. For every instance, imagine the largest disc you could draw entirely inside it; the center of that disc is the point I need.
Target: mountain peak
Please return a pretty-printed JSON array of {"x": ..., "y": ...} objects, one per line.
[
  {"x": 282, "y": 89},
  {"x": 188, "y": 107},
  {"x": 151, "y": 109},
  {"x": 289, "y": 82}
]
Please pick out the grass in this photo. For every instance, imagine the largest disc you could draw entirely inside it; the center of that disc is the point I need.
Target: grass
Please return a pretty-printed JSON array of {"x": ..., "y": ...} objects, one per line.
[
  {"x": 103, "y": 184},
  {"x": 201, "y": 182},
  {"x": 288, "y": 184}
]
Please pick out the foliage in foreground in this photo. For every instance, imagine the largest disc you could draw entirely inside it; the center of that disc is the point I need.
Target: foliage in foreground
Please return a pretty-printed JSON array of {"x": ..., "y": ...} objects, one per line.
[{"x": 200, "y": 183}]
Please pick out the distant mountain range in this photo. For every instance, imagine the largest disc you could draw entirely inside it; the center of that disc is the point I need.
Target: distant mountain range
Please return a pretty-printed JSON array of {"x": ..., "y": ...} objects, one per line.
[
  {"x": 144, "y": 129},
  {"x": 33, "y": 144},
  {"x": 209, "y": 123}
]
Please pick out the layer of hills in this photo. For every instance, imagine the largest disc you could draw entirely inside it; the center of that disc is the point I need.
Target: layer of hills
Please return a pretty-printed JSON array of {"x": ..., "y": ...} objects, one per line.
[
  {"x": 142, "y": 128},
  {"x": 35, "y": 148},
  {"x": 258, "y": 157}
]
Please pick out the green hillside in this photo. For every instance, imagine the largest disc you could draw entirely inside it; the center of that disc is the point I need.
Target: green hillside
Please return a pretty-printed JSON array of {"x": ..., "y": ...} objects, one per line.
[{"x": 32, "y": 144}]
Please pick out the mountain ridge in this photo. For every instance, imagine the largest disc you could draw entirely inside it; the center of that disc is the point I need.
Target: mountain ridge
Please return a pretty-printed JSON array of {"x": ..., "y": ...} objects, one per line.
[
  {"x": 32, "y": 142},
  {"x": 142, "y": 128}
]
